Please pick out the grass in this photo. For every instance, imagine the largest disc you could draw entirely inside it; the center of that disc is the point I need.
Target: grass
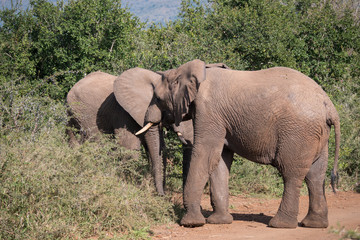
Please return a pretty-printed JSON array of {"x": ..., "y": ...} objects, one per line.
[
  {"x": 345, "y": 233},
  {"x": 51, "y": 191},
  {"x": 242, "y": 181}
]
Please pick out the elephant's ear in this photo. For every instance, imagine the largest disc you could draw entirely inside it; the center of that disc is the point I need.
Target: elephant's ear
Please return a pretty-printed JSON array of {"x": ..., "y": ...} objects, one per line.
[
  {"x": 188, "y": 78},
  {"x": 134, "y": 90}
]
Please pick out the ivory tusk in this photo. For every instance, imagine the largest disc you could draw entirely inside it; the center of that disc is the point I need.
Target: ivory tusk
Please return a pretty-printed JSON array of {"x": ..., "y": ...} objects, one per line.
[
  {"x": 144, "y": 129},
  {"x": 179, "y": 134}
]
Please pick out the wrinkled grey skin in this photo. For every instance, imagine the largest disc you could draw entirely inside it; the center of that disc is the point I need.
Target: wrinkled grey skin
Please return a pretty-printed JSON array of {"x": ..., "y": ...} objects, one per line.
[
  {"x": 276, "y": 116},
  {"x": 93, "y": 109},
  {"x": 146, "y": 81}
]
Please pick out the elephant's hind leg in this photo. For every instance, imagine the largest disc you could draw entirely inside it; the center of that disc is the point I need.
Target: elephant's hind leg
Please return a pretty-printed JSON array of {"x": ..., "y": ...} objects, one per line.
[
  {"x": 293, "y": 175},
  {"x": 286, "y": 216},
  {"x": 317, "y": 216}
]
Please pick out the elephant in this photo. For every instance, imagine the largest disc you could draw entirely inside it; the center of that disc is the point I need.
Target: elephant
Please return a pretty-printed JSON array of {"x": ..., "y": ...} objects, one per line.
[
  {"x": 93, "y": 109},
  {"x": 276, "y": 116}
]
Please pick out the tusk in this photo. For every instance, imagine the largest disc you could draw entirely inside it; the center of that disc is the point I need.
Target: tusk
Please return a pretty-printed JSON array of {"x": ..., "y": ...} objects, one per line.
[
  {"x": 179, "y": 134},
  {"x": 144, "y": 129}
]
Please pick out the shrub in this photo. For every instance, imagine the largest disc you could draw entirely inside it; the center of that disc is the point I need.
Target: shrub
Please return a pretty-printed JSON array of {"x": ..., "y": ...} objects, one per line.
[{"x": 50, "y": 191}]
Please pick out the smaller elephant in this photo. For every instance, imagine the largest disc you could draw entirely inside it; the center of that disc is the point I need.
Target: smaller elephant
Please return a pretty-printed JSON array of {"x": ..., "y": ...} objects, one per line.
[{"x": 93, "y": 109}]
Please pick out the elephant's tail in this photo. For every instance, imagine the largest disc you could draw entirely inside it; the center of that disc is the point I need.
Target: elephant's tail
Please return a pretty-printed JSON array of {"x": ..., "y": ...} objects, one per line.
[{"x": 335, "y": 120}]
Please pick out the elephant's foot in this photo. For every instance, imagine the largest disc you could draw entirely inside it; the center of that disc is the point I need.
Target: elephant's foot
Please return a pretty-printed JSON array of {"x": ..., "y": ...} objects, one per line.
[
  {"x": 282, "y": 220},
  {"x": 315, "y": 221},
  {"x": 192, "y": 219},
  {"x": 220, "y": 218}
]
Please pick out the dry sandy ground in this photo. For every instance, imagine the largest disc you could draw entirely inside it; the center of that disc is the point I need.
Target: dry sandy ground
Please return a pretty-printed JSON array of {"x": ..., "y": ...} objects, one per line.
[{"x": 251, "y": 216}]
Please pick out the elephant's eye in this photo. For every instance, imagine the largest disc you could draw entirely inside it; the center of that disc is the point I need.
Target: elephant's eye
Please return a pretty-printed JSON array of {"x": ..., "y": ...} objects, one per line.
[
  {"x": 176, "y": 80},
  {"x": 173, "y": 85}
]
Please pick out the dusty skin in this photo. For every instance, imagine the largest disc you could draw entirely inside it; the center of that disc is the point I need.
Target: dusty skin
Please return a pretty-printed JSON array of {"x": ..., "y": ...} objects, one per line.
[{"x": 251, "y": 216}]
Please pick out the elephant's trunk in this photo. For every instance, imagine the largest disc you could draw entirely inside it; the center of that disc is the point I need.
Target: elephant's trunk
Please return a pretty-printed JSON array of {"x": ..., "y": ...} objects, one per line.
[{"x": 155, "y": 143}]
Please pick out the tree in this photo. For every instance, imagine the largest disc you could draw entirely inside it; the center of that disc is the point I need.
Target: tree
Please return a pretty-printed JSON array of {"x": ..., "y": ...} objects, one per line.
[{"x": 67, "y": 40}]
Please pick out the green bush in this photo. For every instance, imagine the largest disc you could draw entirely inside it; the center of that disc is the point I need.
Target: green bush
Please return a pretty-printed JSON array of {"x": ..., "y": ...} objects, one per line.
[
  {"x": 250, "y": 178},
  {"x": 50, "y": 191},
  {"x": 78, "y": 37},
  {"x": 346, "y": 98}
]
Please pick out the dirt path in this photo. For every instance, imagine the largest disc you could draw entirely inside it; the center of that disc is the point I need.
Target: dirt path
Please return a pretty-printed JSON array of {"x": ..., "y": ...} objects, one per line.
[{"x": 251, "y": 216}]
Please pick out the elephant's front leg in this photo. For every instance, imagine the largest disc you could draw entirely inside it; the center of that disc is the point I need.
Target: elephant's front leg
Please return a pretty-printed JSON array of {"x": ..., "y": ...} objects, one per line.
[
  {"x": 204, "y": 157},
  {"x": 219, "y": 190}
]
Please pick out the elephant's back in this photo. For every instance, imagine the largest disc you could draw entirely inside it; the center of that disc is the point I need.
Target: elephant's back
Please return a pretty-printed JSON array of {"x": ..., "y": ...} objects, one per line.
[
  {"x": 87, "y": 96},
  {"x": 278, "y": 83},
  {"x": 298, "y": 92},
  {"x": 267, "y": 97},
  {"x": 97, "y": 84}
]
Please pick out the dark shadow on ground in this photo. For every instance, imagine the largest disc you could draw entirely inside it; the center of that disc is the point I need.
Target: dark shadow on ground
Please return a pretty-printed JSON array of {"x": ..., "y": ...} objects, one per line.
[{"x": 260, "y": 218}]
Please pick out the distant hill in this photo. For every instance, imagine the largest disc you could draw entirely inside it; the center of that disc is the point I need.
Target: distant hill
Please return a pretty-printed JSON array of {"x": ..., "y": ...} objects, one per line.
[{"x": 158, "y": 11}]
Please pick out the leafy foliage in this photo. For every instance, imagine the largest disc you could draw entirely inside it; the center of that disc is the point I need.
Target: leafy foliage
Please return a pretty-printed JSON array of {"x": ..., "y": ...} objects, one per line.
[
  {"x": 49, "y": 190},
  {"x": 78, "y": 37}
]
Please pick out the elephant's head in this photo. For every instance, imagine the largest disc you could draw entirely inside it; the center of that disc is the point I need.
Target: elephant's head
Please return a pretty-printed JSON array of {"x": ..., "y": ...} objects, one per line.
[
  {"x": 134, "y": 91},
  {"x": 175, "y": 91},
  {"x": 178, "y": 89}
]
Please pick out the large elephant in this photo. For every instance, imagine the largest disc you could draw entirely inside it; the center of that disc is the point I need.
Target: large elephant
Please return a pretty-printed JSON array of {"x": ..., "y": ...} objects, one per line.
[{"x": 276, "y": 116}]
